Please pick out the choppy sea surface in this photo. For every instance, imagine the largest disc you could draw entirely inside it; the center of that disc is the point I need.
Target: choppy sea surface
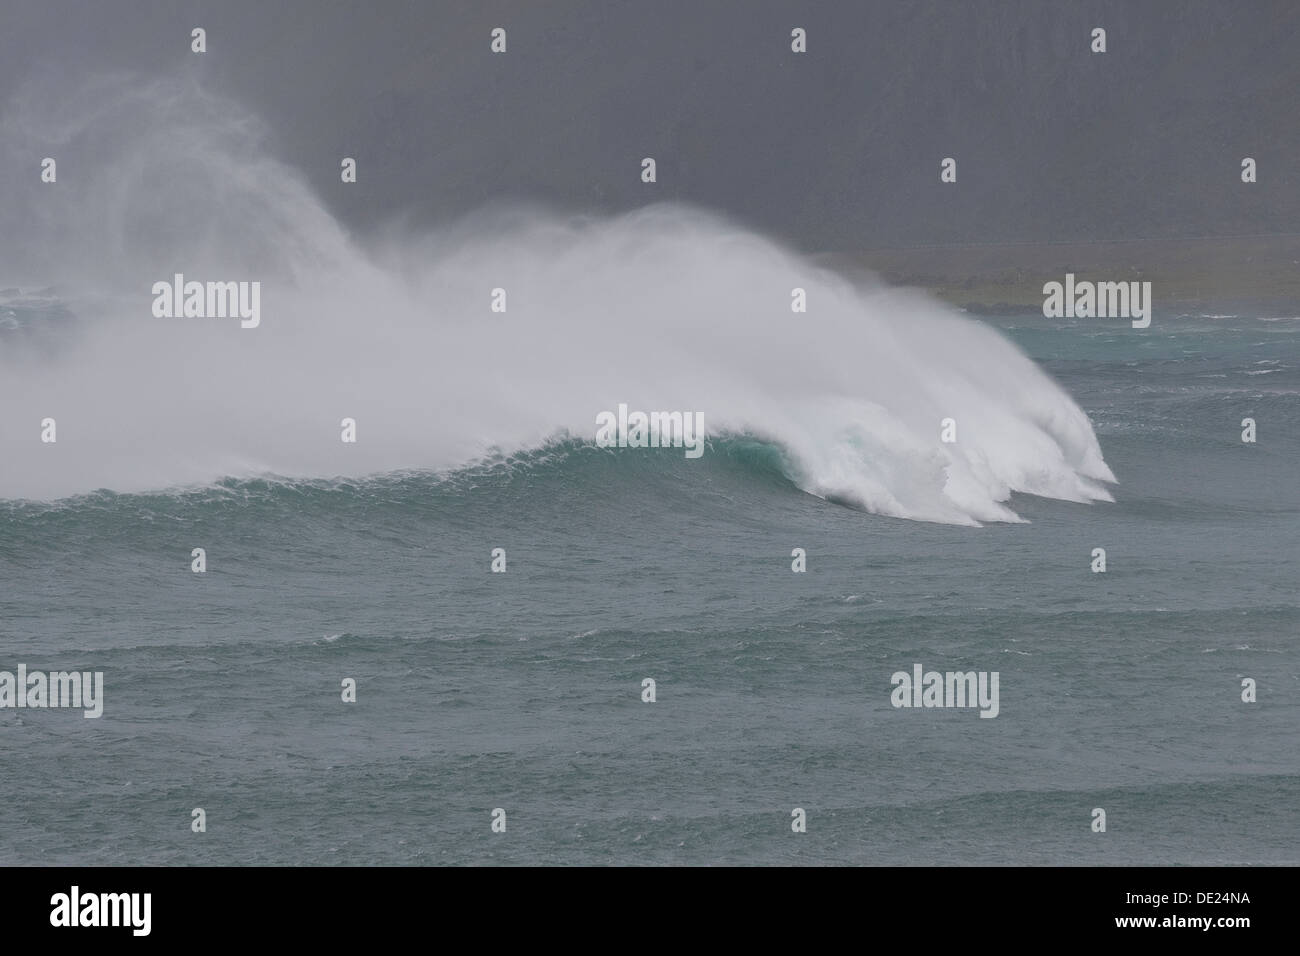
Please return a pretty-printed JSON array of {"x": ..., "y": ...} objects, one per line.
[{"x": 523, "y": 690}]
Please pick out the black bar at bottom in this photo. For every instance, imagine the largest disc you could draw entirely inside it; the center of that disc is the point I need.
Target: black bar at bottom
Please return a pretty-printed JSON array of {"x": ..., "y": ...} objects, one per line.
[{"x": 1216, "y": 905}]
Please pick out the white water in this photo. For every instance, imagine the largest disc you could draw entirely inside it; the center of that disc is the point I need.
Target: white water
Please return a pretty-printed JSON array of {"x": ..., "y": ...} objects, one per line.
[{"x": 667, "y": 308}]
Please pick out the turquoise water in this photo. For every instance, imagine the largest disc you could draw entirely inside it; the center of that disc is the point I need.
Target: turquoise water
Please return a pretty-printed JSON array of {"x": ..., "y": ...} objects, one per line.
[{"x": 523, "y": 690}]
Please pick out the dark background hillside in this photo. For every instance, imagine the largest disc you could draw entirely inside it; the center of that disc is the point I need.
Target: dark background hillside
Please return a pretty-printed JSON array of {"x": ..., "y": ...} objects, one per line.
[{"x": 837, "y": 149}]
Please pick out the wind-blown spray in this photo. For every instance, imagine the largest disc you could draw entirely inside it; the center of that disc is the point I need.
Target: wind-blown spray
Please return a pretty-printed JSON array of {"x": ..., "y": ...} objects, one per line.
[{"x": 664, "y": 308}]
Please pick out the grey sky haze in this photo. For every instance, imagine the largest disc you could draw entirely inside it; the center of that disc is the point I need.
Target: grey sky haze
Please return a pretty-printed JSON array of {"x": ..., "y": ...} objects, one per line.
[{"x": 835, "y": 149}]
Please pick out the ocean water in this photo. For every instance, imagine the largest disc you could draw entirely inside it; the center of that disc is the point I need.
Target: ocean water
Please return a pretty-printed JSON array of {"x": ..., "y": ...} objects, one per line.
[{"x": 522, "y": 690}]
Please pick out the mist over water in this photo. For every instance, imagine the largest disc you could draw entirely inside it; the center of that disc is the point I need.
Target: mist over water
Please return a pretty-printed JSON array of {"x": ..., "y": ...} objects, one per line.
[
  {"x": 668, "y": 308},
  {"x": 523, "y": 690}
]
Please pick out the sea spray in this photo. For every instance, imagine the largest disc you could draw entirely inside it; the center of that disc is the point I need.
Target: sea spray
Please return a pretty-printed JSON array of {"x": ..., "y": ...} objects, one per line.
[{"x": 667, "y": 307}]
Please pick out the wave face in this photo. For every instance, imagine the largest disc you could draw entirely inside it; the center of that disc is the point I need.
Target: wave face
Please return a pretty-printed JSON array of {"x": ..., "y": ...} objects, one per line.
[{"x": 668, "y": 308}]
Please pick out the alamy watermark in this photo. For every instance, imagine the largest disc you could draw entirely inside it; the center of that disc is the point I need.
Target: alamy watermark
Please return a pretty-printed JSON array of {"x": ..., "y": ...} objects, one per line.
[
  {"x": 207, "y": 300},
  {"x": 923, "y": 688},
  {"x": 1102, "y": 300},
  {"x": 74, "y": 908},
  {"x": 626, "y": 429},
  {"x": 37, "y": 689}
]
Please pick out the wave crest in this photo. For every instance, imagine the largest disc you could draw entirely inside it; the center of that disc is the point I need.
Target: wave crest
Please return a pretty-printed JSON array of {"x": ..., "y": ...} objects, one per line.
[{"x": 667, "y": 308}]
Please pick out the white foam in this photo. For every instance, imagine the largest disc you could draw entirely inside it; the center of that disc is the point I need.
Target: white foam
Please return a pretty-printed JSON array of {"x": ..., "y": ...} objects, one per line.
[{"x": 666, "y": 308}]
